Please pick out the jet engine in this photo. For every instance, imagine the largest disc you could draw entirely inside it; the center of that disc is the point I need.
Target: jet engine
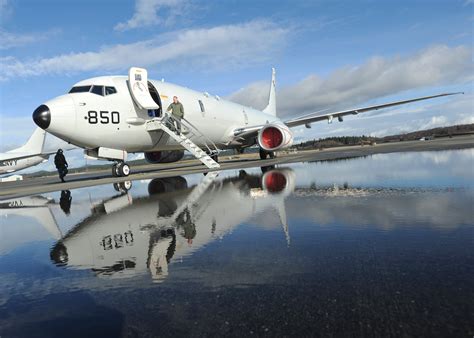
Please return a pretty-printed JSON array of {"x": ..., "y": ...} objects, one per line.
[
  {"x": 165, "y": 156},
  {"x": 279, "y": 181},
  {"x": 274, "y": 137}
]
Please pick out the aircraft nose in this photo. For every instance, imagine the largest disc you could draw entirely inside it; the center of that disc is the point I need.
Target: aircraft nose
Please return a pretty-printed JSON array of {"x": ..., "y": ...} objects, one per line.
[{"x": 42, "y": 116}]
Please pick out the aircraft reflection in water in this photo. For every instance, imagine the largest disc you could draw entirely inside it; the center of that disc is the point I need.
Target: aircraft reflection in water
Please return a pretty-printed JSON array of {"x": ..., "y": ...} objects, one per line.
[
  {"x": 124, "y": 237},
  {"x": 36, "y": 207}
]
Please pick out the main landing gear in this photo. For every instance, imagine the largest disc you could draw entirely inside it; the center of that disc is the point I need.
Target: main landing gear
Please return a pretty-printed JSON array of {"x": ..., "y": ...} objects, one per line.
[
  {"x": 120, "y": 169},
  {"x": 264, "y": 154}
]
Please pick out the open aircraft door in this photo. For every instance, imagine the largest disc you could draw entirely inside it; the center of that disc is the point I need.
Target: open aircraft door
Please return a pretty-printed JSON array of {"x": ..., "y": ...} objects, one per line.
[{"x": 138, "y": 84}]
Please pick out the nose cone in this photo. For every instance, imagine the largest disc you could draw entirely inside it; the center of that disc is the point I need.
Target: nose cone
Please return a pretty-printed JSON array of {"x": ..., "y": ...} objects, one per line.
[{"x": 42, "y": 117}]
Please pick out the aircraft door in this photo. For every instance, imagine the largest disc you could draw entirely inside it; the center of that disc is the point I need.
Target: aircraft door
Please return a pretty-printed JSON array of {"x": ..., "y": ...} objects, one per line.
[
  {"x": 138, "y": 86},
  {"x": 156, "y": 97}
]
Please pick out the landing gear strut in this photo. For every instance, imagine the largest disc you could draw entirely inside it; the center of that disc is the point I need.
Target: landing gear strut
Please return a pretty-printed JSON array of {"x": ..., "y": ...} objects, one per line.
[
  {"x": 120, "y": 169},
  {"x": 264, "y": 154}
]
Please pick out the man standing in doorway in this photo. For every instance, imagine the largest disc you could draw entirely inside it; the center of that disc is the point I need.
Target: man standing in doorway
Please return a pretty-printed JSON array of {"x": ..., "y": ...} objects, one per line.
[{"x": 177, "y": 111}]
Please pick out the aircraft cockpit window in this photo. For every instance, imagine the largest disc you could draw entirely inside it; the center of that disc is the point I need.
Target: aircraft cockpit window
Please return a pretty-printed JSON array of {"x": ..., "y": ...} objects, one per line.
[
  {"x": 110, "y": 90},
  {"x": 80, "y": 89},
  {"x": 99, "y": 90}
]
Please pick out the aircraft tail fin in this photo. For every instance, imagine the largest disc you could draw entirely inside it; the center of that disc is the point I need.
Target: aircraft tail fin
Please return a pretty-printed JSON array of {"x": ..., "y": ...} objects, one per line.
[
  {"x": 271, "y": 107},
  {"x": 35, "y": 143}
]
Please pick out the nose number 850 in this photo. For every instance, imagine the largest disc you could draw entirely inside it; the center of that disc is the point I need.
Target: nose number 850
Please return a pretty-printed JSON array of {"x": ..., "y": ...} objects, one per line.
[{"x": 103, "y": 117}]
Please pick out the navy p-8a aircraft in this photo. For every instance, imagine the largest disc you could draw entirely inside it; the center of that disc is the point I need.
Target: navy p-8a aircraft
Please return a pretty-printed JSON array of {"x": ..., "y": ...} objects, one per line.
[{"x": 112, "y": 116}]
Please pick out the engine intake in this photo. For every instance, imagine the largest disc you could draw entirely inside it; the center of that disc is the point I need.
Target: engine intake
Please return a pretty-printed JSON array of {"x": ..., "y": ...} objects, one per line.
[{"x": 274, "y": 137}]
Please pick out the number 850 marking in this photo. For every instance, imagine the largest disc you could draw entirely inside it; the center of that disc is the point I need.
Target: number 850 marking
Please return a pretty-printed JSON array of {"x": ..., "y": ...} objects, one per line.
[{"x": 104, "y": 117}]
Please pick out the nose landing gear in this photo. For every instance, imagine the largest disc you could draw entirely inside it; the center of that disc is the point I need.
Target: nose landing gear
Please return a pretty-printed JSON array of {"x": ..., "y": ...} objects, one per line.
[
  {"x": 123, "y": 187},
  {"x": 120, "y": 169}
]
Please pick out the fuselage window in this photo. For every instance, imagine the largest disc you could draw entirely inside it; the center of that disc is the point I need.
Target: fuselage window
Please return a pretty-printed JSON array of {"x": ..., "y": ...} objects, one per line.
[
  {"x": 110, "y": 90},
  {"x": 80, "y": 89},
  {"x": 202, "y": 106},
  {"x": 99, "y": 90}
]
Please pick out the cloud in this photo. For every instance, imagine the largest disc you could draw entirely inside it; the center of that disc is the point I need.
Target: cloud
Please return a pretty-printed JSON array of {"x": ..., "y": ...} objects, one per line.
[
  {"x": 210, "y": 47},
  {"x": 5, "y": 10},
  {"x": 147, "y": 13},
  {"x": 11, "y": 40},
  {"x": 351, "y": 85}
]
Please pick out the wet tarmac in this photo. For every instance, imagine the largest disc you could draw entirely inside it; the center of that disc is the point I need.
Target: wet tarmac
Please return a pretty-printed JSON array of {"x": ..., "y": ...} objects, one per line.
[
  {"x": 373, "y": 246},
  {"x": 45, "y": 184}
]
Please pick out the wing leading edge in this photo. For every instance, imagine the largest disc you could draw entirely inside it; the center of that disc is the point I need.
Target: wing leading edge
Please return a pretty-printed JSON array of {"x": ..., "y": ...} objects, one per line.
[
  {"x": 252, "y": 131},
  {"x": 329, "y": 116}
]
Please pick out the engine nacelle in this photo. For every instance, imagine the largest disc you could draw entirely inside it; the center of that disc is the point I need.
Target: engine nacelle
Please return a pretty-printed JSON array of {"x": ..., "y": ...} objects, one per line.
[
  {"x": 279, "y": 181},
  {"x": 166, "y": 156},
  {"x": 274, "y": 137}
]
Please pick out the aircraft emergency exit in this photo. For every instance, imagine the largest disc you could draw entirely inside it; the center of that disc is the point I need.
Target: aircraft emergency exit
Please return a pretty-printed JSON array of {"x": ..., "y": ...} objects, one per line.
[
  {"x": 112, "y": 116},
  {"x": 28, "y": 155}
]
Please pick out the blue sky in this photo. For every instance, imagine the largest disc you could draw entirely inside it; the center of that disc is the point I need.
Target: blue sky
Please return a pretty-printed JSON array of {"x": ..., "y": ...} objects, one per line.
[{"x": 328, "y": 54}]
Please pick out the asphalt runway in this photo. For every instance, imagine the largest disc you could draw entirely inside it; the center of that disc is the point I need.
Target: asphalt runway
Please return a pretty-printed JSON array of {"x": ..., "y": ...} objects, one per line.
[{"x": 38, "y": 185}]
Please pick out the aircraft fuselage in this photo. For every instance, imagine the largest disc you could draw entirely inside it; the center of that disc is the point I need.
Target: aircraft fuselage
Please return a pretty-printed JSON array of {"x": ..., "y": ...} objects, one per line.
[
  {"x": 115, "y": 121},
  {"x": 12, "y": 165}
]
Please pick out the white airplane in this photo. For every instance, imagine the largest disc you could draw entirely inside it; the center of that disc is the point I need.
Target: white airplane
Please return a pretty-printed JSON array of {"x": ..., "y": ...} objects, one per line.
[
  {"x": 111, "y": 116},
  {"x": 125, "y": 237},
  {"x": 28, "y": 155}
]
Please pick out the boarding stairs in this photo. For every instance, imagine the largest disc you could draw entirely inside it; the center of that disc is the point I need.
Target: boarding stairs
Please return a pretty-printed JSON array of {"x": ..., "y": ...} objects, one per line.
[
  {"x": 191, "y": 203},
  {"x": 195, "y": 195},
  {"x": 188, "y": 131}
]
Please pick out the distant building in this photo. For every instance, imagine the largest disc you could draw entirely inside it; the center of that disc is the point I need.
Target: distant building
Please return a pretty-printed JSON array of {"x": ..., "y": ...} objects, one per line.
[{"x": 11, "y": 178}]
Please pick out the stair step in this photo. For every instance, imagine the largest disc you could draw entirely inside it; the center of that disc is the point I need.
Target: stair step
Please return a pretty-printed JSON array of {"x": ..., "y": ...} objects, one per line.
[{"x": 185, "y": 142}]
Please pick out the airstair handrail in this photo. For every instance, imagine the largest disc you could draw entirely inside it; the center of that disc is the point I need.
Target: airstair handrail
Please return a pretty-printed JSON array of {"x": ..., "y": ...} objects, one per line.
[{"x": 194, "y": 131}]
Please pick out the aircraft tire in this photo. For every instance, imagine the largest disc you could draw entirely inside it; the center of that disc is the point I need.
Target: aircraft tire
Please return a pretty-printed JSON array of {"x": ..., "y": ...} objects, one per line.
[
  {"x": 123, "y": 169},
  {"x": 272, "y": 154},
  {"x": 122, "y": 187},
  {"x": 114, "y": 170},
  {"x": 263, "y": 154}
]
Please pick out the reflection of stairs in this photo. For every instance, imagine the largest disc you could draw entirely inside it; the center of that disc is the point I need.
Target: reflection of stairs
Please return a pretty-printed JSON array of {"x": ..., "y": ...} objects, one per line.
[
  {"x": 196, "y": 194},
  {"x": 185, "y": 142}
]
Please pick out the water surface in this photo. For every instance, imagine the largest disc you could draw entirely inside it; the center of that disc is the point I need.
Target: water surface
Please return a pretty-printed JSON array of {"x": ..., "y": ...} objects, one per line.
[{"x": 374, "y": 246}]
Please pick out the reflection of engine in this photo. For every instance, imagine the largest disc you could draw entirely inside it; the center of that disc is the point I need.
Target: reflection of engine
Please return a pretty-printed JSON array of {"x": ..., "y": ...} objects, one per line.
[
  {"x": 278, "y": 181},
  {"x": 164, "y": 156},
  {"x": 275, "y": 136}
]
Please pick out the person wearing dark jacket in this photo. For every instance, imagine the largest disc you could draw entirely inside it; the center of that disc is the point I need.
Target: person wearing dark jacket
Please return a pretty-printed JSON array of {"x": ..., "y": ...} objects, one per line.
[
  {"x": 61, "y": 164},
  {"x": 65, "y": 201}
]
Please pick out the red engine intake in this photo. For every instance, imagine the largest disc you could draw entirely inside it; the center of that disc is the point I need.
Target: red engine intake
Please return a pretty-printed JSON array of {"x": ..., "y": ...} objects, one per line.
[{"x": 275, "y": 136}]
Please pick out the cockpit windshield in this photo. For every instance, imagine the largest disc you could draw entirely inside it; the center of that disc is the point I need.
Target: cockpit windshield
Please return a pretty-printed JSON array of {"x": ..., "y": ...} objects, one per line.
[
  {"x": 80, "y": 89},
  {"x": 95, "y": 89}
]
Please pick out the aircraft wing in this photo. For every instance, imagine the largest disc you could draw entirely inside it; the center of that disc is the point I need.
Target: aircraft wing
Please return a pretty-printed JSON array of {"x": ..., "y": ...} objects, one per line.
[
  {"x": 329, "y": 116},
  {"x": 17, "y": 156},
  {"x": 252, "y": 131}
]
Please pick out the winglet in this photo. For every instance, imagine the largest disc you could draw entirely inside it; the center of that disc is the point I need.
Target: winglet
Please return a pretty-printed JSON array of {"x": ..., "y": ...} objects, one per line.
[{"x": 271, "y": 107}]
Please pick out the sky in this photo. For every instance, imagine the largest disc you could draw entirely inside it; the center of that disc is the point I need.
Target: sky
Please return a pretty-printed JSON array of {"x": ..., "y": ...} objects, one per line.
[{"x": 328, "y": 55}]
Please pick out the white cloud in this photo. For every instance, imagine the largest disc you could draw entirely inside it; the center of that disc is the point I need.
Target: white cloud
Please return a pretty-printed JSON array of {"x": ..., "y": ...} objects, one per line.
[
  {"x": 5, "y": 10},
  {"x": 351, "y": 85},
  {"x": 11, "y": 40},
  {"x": 153, "y": 12},
  {"x": 221, "y": 46}
]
